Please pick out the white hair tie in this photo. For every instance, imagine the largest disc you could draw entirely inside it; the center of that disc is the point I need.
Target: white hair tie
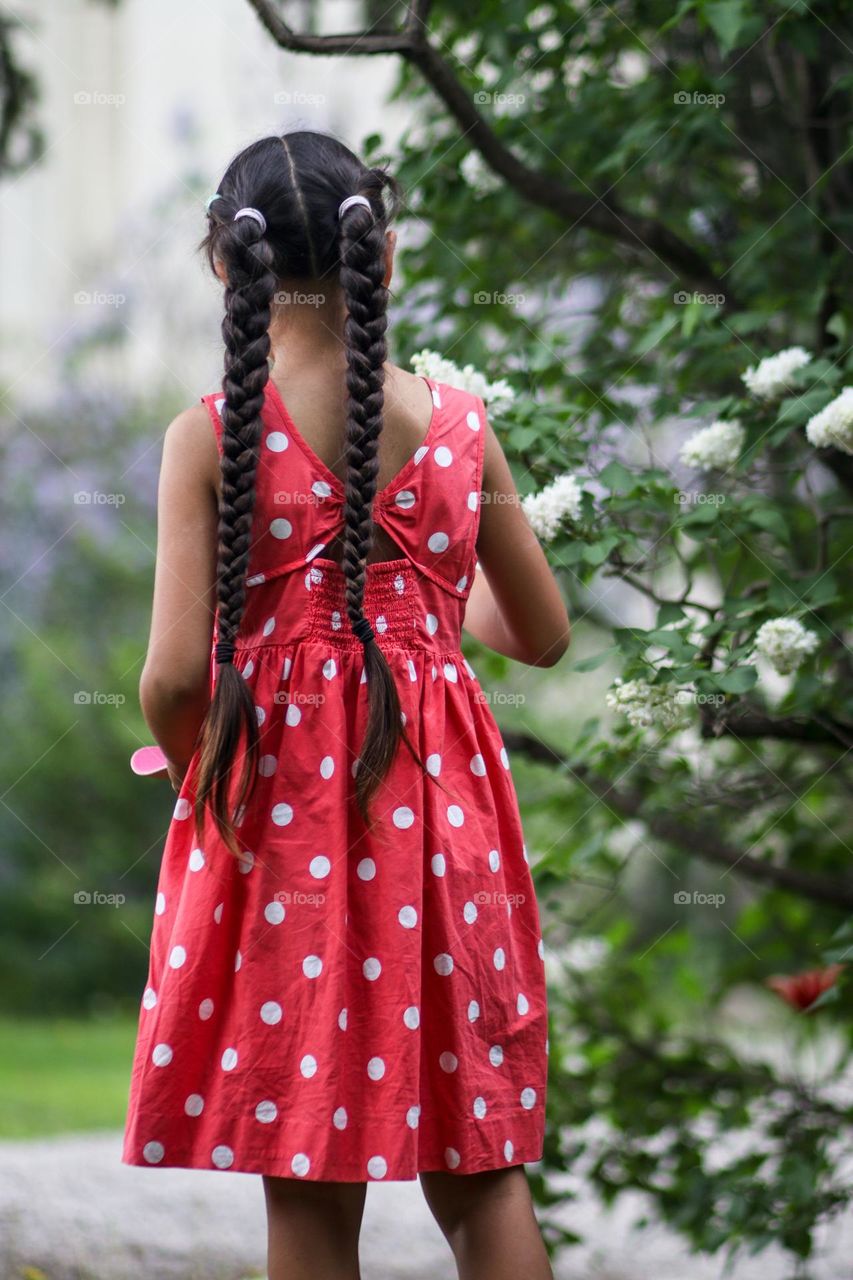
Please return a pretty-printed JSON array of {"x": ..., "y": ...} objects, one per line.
[
  {"x": 351, "y": 200},
  {"x": 252, "y": 213}
]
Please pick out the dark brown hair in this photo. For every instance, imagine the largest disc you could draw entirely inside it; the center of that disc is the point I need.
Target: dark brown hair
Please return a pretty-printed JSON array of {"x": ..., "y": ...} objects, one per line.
[{"x": 297, "y": 182}]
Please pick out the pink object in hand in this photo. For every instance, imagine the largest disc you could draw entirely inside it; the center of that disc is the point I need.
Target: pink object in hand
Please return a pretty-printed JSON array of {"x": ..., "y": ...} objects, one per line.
[{"x": 149, "y": 762}]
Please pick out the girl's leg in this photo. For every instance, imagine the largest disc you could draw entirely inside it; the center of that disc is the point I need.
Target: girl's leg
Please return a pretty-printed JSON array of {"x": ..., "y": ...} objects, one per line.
[
  {"x": 313, "y": 1229},
  {"x": 489, "y": 1223}
]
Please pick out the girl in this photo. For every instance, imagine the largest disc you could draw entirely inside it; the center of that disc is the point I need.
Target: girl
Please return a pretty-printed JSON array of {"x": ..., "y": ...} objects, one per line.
[{"x": 346, "y": 979}]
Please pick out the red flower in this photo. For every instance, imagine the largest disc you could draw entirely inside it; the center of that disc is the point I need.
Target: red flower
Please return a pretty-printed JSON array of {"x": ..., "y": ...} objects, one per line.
[{"x": 801, "y": 990}]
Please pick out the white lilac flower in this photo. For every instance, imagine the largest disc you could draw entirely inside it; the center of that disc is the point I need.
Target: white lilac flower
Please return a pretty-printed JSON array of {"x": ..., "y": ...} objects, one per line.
[
  {"x": 647, "y": 705},
  {"x": 497, "y": 395},
  {"x": 771, "y": 376},
  {"x": 547, "y": 509},
  {"x": 715, "y": 447},
  {"x": 541, "y": 16},
  {"x": 480, "y": 177},
  {"x": 785, "y": 642},
  {"x": 834, "y": 424}
]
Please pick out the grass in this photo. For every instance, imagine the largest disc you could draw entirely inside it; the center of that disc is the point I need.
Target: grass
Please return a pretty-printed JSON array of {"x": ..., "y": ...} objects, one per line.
[{"x": 64, "y": 1075}]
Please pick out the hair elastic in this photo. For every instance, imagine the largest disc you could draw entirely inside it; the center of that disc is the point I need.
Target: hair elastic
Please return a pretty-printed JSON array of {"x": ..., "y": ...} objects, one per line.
[
  {"x": 363, "y": 631},
  {"x": 350, "y": 201},
  {"x": 224, "y": 651},
  {"x": 252, "y": 213},
  {"x": 210, "y": 199}
]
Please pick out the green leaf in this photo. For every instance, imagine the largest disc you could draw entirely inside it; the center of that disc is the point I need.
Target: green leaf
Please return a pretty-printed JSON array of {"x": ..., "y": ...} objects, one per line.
[
  {"x": 590, "y": 664},
  {"x": 738, "y": 680},
  {"x": 726, "y": 18}
]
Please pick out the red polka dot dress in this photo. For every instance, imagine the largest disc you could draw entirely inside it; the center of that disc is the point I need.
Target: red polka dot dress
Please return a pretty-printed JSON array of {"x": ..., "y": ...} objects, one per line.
[{"x": 349, "y": 1004}]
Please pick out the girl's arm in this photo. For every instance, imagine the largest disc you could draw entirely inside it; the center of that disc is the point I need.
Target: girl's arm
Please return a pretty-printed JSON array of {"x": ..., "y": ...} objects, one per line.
[
  {"x": 514, "y": 606},
  {"x": 174, "y": 687}
]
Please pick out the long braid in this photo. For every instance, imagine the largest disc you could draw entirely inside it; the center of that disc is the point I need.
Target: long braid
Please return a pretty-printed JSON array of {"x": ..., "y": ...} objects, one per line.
[
  {"x": 248, "y": 297},
  {"x": 362, "y": 255}
]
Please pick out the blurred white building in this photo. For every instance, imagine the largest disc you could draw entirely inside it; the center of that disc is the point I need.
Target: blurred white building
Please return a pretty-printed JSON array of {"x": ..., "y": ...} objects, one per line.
[{"x": 142, "y": 106}]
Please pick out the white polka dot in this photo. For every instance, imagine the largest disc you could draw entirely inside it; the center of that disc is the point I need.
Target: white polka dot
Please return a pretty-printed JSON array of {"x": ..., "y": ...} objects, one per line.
[
  {"x": 222, "y": 1157},
  {"x": 496, "y": 1055},
  {"x": 508, "y": 1150},
  {"x": 308, "y": 1066},
  {"x": 162, "y": 1055},
  {"x": 413, "y": 1115},
  {"x": 377, "y": 1166},
  {"x": 455, "y": 816},
  {"x": 473, "y": 500},
  {"x": 337, "y": 621},
  {"x": 494, "y": 859},
  {"x": 282, "y": 814},
  {"x": 319, "y": 867},
  {"x": 285, "y": 671},
  {"x": 469, "y": 913},
  {"x": 412, "y": 1017},
  {"x": 205, "y": 1009},
  {"x": 247, "y": 861},
  {"x": 381, "y": 623},
  {"x": 274, "y": 913},
  {"x": 462, "y": 583},
  {"x": 153, "y": 1152},
  {"x": 149, "y": 998},
  {"x": 376, "y": 1068},
  {"x": 399, "y": 584},
  {"x": 438, "y": 542},
  {"x": 452, "y": 1158},
  {"x": 499, "y": 959},
  {"x": 450, "y": 672},
  {"x": 177, "y": 956},
  {"x": 408, "y": 917},
  {"x": 366, "y": 869},
  {"x": 182, "y": 809},
  {"x": 504, "y": 758},
  {"x": 439, "y": 864},
  {"x": 327, "y": 767},
  {"x": 194, "y": 1104},
  {"x": 402, "y": 817},
  {"x": 292, "y": 715},
  {"x": 238, "y": 960},
  {"x": 522, "y": 1004},
  {"x": 312, "y": 966},
  {"x": 271, "y": 1012},
  {"x": 443, "y": 964},
  {"x": 267, "y": 766},
  {"x": 405, "y": 499},
  {"x": 528, "y": 1098},
  {"x": 160, "y": 904},
  {"x": 479, "y": 1107},
  {"x": 540, "y": 949},
  {"x": 315, "y": 551},
  {"x": 229, "y": 1060},
  {"x": 342, "y": 1019},
  {"x": 339, "y": 1119},
  {"x": 269, "y": 626},
  {"x": 330, "y": 669},
  {"x": 281, "y": 528},
  {"x": 276, "y": 441},
  {"x": 413, "y": 674},
  {"x": 300, "y": 1164},
  {"x": 448, "y": 1061},
  {"x": 260, "y": 715},
  {"x": 266, "y": 1112},
  {"x": 473, "y": 1011},
  {"x": 421, "y": 453},
  {"x": 473, "y": 420},
  {"x": 196, "y": 860},
  {"x": 371, "y": 968},
  {"x": 431, "y": 623},
  {"x": 321, "y": 489},
  {"x": 443, "y": 456},
  {"x": 433, "y": 764},
  {"x": 478, "y": 765}
]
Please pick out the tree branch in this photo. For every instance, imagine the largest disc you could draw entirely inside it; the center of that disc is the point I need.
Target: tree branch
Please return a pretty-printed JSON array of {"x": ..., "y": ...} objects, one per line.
[
  {"x": 703, "y": 842},
  {"x": 575, "y": 207}
]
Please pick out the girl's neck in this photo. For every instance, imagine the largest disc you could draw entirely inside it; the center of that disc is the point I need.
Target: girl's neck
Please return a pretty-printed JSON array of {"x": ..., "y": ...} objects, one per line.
[{"x": 306, "y": 330}]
